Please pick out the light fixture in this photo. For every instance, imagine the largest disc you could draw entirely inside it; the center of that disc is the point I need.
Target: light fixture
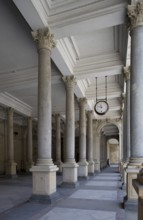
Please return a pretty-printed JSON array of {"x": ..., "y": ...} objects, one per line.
[{"x": 101, "y": 105}]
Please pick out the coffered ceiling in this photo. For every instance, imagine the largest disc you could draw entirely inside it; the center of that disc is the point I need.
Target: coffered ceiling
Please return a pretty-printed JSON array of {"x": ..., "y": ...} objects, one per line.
[{"x": 92, "y": 41}]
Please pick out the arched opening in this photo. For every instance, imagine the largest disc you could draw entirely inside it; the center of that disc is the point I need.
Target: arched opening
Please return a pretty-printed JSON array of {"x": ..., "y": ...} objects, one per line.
[
  {"x": 113, "y": 151},
  {"x": 109, "y": 145}
]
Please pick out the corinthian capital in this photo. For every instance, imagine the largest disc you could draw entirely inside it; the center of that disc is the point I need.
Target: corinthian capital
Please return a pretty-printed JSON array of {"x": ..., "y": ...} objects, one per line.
[
  {"x": 44, "y": 38},
  {"x": 126, "y": 72},
  {"x": 82, "y": 101},
  {"x": 135, "y": 15},
  {"x": 70, "y": 81}
]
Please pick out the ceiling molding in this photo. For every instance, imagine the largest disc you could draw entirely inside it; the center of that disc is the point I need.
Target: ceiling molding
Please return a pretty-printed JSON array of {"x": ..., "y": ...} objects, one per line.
[{"x": 10, "y": 101}]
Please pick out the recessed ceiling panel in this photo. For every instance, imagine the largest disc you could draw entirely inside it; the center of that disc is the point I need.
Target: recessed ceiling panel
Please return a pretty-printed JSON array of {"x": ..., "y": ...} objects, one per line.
[{"x": 95, "y": 43}]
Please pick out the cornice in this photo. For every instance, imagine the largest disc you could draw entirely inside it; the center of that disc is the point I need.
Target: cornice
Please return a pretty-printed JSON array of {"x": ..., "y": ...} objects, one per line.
[
  {"x": 86, "y": 12},
  {"x": 10, "y": 101}
]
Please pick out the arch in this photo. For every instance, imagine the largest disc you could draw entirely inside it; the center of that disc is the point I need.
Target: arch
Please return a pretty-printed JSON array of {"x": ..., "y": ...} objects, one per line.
[
  {"x": 113, "y": 151},
  {"x": 104, "y": 123}
]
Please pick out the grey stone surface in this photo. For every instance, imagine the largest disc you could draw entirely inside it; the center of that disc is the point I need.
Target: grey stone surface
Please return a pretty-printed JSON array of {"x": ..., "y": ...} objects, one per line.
[
  {"x": 106, "y": 178},
  {"x": 101, "y": 183},
  {"x": 77, "y": 214},
  {"x": 15, "y": 192},
  {"x": 95, "y": 194}
]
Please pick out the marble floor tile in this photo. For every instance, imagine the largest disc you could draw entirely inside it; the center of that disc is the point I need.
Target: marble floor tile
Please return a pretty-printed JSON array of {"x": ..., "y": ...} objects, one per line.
[
  {"x": 103, "y": 183},
  {"x": 95, "y": 194},
  {"x": 106, "y": 177},
  {"x": 110, "y": 174},
  {"x": 78, "y": 214}
]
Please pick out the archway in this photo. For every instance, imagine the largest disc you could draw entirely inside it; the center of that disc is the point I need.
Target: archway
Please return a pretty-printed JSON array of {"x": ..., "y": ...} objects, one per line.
[
  {"x": 109, "y": 134},
  {"x": 113, "y": 151}
]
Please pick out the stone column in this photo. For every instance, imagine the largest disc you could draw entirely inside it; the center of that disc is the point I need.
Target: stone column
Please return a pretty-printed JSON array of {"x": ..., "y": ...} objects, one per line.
[
  {"x": 127, "y": 78},
  {"x": 58, "y": 142},
  {"x": 135, "y": 15},
  {"x": 11, "y": 165},
  {"x": 90, "y": 143},
  {"x": 127, "y": 125},
  {"x": 83, "y": 165},
  {"x": 96, "y": 149},
  {"x": 29, "y": 145},
  {"x": 70, "y": 166},
  {"x": 44, "y": 173}
]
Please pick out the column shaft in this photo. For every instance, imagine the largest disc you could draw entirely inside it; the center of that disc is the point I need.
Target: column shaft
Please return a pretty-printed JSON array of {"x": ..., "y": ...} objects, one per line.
[
  {"x": 137, "y": 93},
  {"x": 10, "y": 141},
  {"x": 90, "y": 143},
  {"x": 58, "y": 138},
  {"x": 70, "y": 120},
  {"x": 83, "y": 165},
  {"x": 128, "y": 118},
  {"x": 82, "y": 131},
  {"x": 70, "y": 167},
  {"x": 30, "y": 141},
  {"x": 11, "y": 165}
]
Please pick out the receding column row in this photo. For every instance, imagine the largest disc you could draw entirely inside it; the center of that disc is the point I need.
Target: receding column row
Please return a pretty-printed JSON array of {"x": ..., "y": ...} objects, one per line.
[
  {"x": 11, "y": 165},
  {"x": 44, "y": 172}
]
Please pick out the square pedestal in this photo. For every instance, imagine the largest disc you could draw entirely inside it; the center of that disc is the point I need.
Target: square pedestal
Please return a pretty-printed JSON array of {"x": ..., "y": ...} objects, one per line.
[
  {"x": 11, "y": 168},
  {"x": 70, "y": 175},
  {"x": 60, "y": 166},
  {"x": 83, "y": 170},
  {"x": 97, "y": 167},
  {"x": 91, "y": 168},
  {"x": 44, "y": 180}
]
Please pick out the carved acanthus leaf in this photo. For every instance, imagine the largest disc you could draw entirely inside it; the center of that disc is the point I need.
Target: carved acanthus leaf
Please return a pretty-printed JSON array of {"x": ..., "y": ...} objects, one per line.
[
  {"x": 44, "y": 38},
  {"x": 135, "y": 15}
]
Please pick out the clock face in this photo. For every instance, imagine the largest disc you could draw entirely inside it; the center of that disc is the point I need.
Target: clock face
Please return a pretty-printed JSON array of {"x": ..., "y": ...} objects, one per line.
[{"x": 101, "y": 107}]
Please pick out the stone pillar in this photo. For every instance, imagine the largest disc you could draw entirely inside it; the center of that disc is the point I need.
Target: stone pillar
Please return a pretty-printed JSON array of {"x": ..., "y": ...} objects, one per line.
[
  {"x": 58, "y": 142},
  {"x": 44, "y": 173},
  {"x": 127, "y": 78},
  {"x": 70, "y": 166},
  {"x": 11, "y": 165},
  {"x": 83, "y": 165},
  {"x": 29, "y": 145},
  {"x": 138, "y": 185},
  {"x": 135, "y": 15},
  {"x": 96, "y": 149},
  {"x": 127, "y": 125},
  {"x": 90, "y": 143}
]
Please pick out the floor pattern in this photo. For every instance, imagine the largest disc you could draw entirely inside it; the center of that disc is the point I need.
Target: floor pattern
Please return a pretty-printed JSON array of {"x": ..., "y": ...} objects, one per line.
[{"x": 98, "y": 198}]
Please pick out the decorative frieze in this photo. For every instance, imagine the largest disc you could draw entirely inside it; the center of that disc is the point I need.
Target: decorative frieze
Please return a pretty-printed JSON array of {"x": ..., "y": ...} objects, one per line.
[{"x": 135, "y": 15}]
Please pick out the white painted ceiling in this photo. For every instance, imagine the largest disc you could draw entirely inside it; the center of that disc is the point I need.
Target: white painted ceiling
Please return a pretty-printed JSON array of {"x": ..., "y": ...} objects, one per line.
[{"x": 91, "y": 42}]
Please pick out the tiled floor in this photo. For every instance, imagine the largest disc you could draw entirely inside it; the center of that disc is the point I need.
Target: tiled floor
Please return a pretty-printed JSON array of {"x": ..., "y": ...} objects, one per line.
[{"x": 99, "y": 198}]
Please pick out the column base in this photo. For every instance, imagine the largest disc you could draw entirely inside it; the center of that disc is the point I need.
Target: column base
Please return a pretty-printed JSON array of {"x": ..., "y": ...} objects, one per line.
[
  {"x": 97, "y": 167},
  {"x": 83, "y": 170},
  {"x": 60, "y": 166},
  {"x": 136, "y": 161},
  {"x": 131, "y": 204},
  {"x": 44, "y": 179},
  {"x": 11, "y": 169},
  {"x": 28, "y": 166},
  {"x": 45, "y": 199},
  {"x": 70, "y": 175},
  {"x": 91, "y": 168}
]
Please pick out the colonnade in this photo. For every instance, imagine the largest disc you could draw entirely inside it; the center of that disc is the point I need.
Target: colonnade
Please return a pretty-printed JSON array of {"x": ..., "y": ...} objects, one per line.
[{"x": 132, "y": 166}]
